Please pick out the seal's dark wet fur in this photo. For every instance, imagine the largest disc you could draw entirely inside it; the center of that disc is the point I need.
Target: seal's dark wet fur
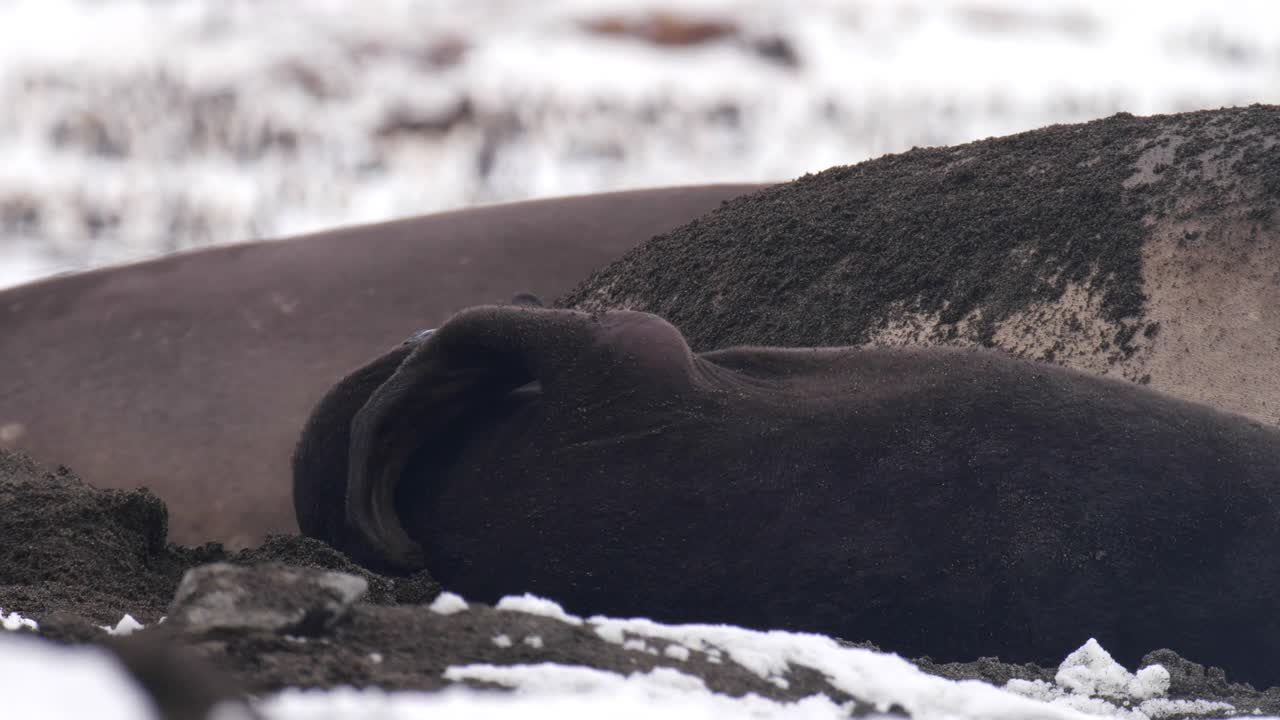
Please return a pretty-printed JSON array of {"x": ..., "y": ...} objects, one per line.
[{"x": 951, "y": 503}]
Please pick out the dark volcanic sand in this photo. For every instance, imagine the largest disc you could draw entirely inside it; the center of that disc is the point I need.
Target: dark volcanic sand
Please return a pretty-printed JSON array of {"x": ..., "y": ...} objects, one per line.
[{"x": 1143, "y": 247}]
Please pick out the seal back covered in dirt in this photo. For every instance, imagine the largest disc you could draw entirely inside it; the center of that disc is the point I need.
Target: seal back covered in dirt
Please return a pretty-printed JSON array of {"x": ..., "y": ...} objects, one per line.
[{"x": 1143, "y": 248}]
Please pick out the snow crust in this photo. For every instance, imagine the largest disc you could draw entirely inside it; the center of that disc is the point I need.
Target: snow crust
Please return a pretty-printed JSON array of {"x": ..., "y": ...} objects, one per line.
[
  {"x": 15, "y": 621},
  {"x": 447, "y": 603},
  {"x": 548, "y": 691},
  {"x": 535, "y": 605},
  {"x": 1091, "y": 681},
  {"x": 1092, "y": 671},
  {"x": 126, "y": 626},
  {"x": 677, "y": 652}
]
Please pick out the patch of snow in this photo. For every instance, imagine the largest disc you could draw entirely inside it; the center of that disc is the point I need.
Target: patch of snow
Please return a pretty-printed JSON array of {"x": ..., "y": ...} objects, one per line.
[
  {"x": 1164, "y": 707},
  {"x": 127, "y": 626},
  {"x": 534, "y": 605},
  {"x": 502, "y": 641},
  {"x": 546, "y": 691},
  {"x": 42, "y": 680},
  {"x": 447, "y": 603},
  {"x": 636, "y": 645},
  {"x": 1091, "y": 681},
  {"x": 1149, "y": 682},
  {"x": 881, "y": 679},
  {"x": 1090, "y": 670},
  {"x": 534, "y": 641},
  {"x": 15, "y": 621},
  {"x": 1126, "y": 708},
  {"x": 885, "y": 680},
  {"x": 676, "y": 652},
  {"x": 375, "y": 658},
  {"x": 660, "y": 691},
  {"x": 610, "y": 633}
]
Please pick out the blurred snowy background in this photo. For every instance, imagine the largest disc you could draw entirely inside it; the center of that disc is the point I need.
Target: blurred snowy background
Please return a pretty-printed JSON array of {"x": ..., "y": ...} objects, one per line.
[{"x": 130, "y": 128}]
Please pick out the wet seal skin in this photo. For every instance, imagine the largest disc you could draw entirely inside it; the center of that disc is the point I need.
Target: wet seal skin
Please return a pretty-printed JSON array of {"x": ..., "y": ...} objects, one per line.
[
  {"x": 944, "y": 502},
  {"x": 191, "y": 374}
]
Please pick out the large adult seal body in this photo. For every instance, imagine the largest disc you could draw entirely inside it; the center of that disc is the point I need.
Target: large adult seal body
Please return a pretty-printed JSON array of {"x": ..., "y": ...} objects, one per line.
[
  {"x": 955, "y": 503},
  {"x": 191, "y": 374}
]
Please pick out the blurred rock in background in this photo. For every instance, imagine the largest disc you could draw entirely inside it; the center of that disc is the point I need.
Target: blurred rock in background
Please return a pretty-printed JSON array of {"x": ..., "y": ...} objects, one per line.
[{"x": 130, "y": 128}]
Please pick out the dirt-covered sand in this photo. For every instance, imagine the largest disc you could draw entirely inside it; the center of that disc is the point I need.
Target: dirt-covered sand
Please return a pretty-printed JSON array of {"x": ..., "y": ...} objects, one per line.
[{"x": 1144, "y": 248}]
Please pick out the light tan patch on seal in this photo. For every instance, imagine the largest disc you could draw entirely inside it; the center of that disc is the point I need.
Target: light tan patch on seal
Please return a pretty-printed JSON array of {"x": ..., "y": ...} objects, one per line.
[
  {"x": 1069, "y": 331},
  {"x": 1072, "y": 332},
  {"x": 1211, "y": 273},
  {"x": 1215, "y": 290}
]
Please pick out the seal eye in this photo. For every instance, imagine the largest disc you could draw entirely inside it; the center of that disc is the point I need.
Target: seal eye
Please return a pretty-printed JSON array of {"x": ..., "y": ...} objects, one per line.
[{"x": 418, "y": 337}]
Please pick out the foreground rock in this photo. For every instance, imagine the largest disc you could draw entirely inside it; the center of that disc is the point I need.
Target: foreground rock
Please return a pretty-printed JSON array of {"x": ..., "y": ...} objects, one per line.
[
  {"x": 1144, "y": 248},
  {"x": 272, "y": 598}
]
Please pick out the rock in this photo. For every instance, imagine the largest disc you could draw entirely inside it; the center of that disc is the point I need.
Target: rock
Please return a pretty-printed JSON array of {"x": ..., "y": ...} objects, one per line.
[
  {"x": 271, "y": 597},
  {"x": 309, "y": 552}
]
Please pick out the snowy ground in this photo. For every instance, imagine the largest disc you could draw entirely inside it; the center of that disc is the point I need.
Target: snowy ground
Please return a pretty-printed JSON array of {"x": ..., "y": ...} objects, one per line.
[
  {"x": 41, "y": 680},
  {"x": 134, "y": 127}
]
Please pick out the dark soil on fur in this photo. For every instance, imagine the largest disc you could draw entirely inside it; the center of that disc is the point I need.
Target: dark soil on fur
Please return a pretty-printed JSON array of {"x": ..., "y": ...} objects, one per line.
[
  {"x": 1140, "y": 247},
  {"x": 994, "y": 226}
]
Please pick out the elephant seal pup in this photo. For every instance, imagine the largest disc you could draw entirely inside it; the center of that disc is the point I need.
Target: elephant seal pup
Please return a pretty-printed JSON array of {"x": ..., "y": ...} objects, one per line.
[
  {"x": 944, "y": 502},
  {"x": 191, "y": 374}
]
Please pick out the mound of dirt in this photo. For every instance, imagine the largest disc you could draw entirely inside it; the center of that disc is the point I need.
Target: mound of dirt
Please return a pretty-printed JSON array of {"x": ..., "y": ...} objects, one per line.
[
  {"x": 1145, "y": 248},
  {"x": 67, "y": 547},
  {"x": 83, "y": 556}
]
